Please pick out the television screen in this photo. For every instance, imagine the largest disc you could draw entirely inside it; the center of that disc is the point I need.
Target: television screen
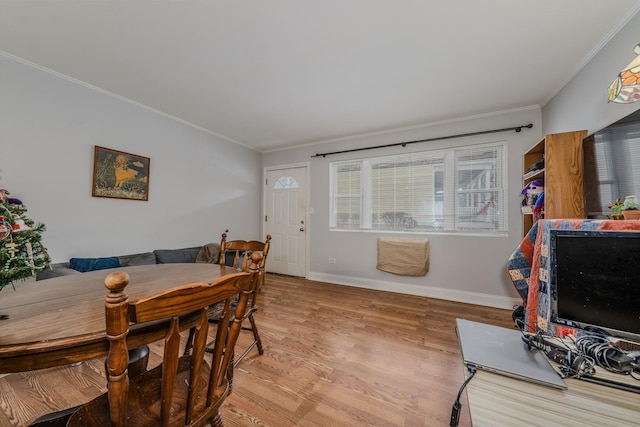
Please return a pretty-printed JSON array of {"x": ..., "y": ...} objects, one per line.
[
  {"x": 612, "y": 165},
  {"x": 595, "y": 280}
]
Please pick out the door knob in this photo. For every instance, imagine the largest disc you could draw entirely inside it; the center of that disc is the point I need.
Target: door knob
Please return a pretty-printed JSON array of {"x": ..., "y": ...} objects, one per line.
[{"x": 301, "y": 228}]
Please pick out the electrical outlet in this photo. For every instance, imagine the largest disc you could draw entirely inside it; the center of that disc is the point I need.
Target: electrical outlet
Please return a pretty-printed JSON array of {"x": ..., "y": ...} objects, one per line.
[{"x": 332, "y": 260}]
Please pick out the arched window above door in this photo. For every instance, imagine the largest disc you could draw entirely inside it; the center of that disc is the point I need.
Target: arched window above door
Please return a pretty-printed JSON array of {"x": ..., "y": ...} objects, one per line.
[{"x": 285, "y": 182}]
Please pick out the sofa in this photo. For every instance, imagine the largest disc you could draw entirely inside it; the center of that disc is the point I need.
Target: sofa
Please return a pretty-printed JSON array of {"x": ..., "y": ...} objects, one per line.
[{"x": 208, "y": 253}]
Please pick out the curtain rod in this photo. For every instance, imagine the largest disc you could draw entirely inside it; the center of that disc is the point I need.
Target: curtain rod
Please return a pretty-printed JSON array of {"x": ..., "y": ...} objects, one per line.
[{"x": 404, "y": 144}]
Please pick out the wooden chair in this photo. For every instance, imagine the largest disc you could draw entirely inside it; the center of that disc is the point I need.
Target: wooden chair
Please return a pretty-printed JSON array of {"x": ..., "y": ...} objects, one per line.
[
  {"x": 138, "y": 361},
  {"x": 181, "y": 391},
  {"x": 233, "y": 253},
  {"x": 237, "y": 253}
]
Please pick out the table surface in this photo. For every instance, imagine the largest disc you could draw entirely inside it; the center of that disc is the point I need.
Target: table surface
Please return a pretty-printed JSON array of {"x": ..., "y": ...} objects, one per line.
[
  {"x": 496, "y": 400},
  {"x": 61, "y": 320}
]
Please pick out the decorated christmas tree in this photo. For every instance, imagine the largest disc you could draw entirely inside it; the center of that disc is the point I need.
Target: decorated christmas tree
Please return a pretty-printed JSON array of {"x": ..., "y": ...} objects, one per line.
[{"x": 21, "y": 252}]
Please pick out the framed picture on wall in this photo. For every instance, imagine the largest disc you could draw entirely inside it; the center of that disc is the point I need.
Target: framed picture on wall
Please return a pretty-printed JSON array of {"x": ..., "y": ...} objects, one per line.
[{"x": 120, "y": 175}]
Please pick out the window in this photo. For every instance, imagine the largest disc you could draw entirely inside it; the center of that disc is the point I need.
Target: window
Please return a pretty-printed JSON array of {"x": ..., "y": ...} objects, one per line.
[
  {"x": 285, "y": 182},
  {"x": 461, "y": 189}
]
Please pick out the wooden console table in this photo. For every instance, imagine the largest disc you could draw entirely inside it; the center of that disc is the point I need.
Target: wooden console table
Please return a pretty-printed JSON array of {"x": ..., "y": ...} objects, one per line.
[
  {"x": 60, "y": 321},
  {"x": 496, "y": 401}
]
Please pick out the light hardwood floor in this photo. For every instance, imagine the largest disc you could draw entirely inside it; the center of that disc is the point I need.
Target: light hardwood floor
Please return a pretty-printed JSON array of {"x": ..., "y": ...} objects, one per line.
[{"x": 334, "y": 356}]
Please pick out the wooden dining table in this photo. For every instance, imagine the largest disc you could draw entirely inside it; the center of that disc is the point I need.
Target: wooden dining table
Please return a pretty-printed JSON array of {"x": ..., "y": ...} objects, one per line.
[{"x": 60, "y": 321}]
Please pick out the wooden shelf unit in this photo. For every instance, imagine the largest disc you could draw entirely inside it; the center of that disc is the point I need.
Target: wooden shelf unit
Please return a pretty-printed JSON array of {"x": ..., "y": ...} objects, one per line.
[{"x": 563, "y": 175}]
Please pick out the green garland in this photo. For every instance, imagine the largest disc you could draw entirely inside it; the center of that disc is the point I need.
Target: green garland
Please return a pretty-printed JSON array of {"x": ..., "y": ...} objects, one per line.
[{"x": 22, "y": 254}]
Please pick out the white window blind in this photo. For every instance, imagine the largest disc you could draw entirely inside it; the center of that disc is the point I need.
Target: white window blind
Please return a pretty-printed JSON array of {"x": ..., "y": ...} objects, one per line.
[
  {"x": 453, "y": 190},
  {"x": 480, "y": 199},
  {"x": 346, "y": 191}
]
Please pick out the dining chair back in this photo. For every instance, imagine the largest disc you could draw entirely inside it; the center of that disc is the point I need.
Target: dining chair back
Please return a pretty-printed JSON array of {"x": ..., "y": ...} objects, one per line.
[
  {"x": 185, "y": 390},
  {"x": 237, "y": 254}
]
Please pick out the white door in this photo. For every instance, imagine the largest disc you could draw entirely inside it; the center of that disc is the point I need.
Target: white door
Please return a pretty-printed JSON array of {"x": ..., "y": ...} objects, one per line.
[{"x": 286, "y": 220}]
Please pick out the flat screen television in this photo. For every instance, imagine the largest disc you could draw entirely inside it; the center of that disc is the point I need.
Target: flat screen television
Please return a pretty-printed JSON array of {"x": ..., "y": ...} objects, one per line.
[
  {"x": 612, "y": 165},
  {"x": 595, "y": 281}
]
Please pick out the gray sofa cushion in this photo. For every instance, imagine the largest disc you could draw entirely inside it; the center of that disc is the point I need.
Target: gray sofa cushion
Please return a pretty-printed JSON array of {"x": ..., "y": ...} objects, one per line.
[
  {"x": 145, "y": 258},
  {"x": 56, "y": 270},
  {"x": 168, "y": 256}
]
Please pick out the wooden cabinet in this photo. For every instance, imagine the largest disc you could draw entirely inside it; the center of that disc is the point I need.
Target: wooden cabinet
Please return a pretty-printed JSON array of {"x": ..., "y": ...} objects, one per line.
[{"x": 563, "y": 175}]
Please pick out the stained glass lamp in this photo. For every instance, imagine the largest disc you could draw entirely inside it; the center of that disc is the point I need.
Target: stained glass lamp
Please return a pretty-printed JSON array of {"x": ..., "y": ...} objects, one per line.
[{"x": 626, "y": 87}]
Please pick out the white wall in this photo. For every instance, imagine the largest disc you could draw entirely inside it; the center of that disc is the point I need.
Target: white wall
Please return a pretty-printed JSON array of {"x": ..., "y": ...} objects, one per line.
[
  {"x": 200, "y": 185},
  {"x": 462, "y": 267},
  {"x": 582, "y": 103}
]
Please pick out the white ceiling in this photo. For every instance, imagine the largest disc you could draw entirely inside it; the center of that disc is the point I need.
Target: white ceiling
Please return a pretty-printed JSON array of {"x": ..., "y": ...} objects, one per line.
[{"x": 276, "y": 73}]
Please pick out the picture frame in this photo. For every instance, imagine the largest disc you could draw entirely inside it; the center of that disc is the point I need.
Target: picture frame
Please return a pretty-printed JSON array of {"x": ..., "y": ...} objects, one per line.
[{"x": 120, "y": 175}]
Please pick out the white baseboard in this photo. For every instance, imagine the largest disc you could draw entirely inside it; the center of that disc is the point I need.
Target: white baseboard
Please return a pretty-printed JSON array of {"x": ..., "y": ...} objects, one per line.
[{"x": 423, "y": 291}]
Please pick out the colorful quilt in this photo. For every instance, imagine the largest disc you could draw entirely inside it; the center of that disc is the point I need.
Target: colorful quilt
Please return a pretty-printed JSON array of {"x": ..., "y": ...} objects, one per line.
[{"x": 529, "y": 267}]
